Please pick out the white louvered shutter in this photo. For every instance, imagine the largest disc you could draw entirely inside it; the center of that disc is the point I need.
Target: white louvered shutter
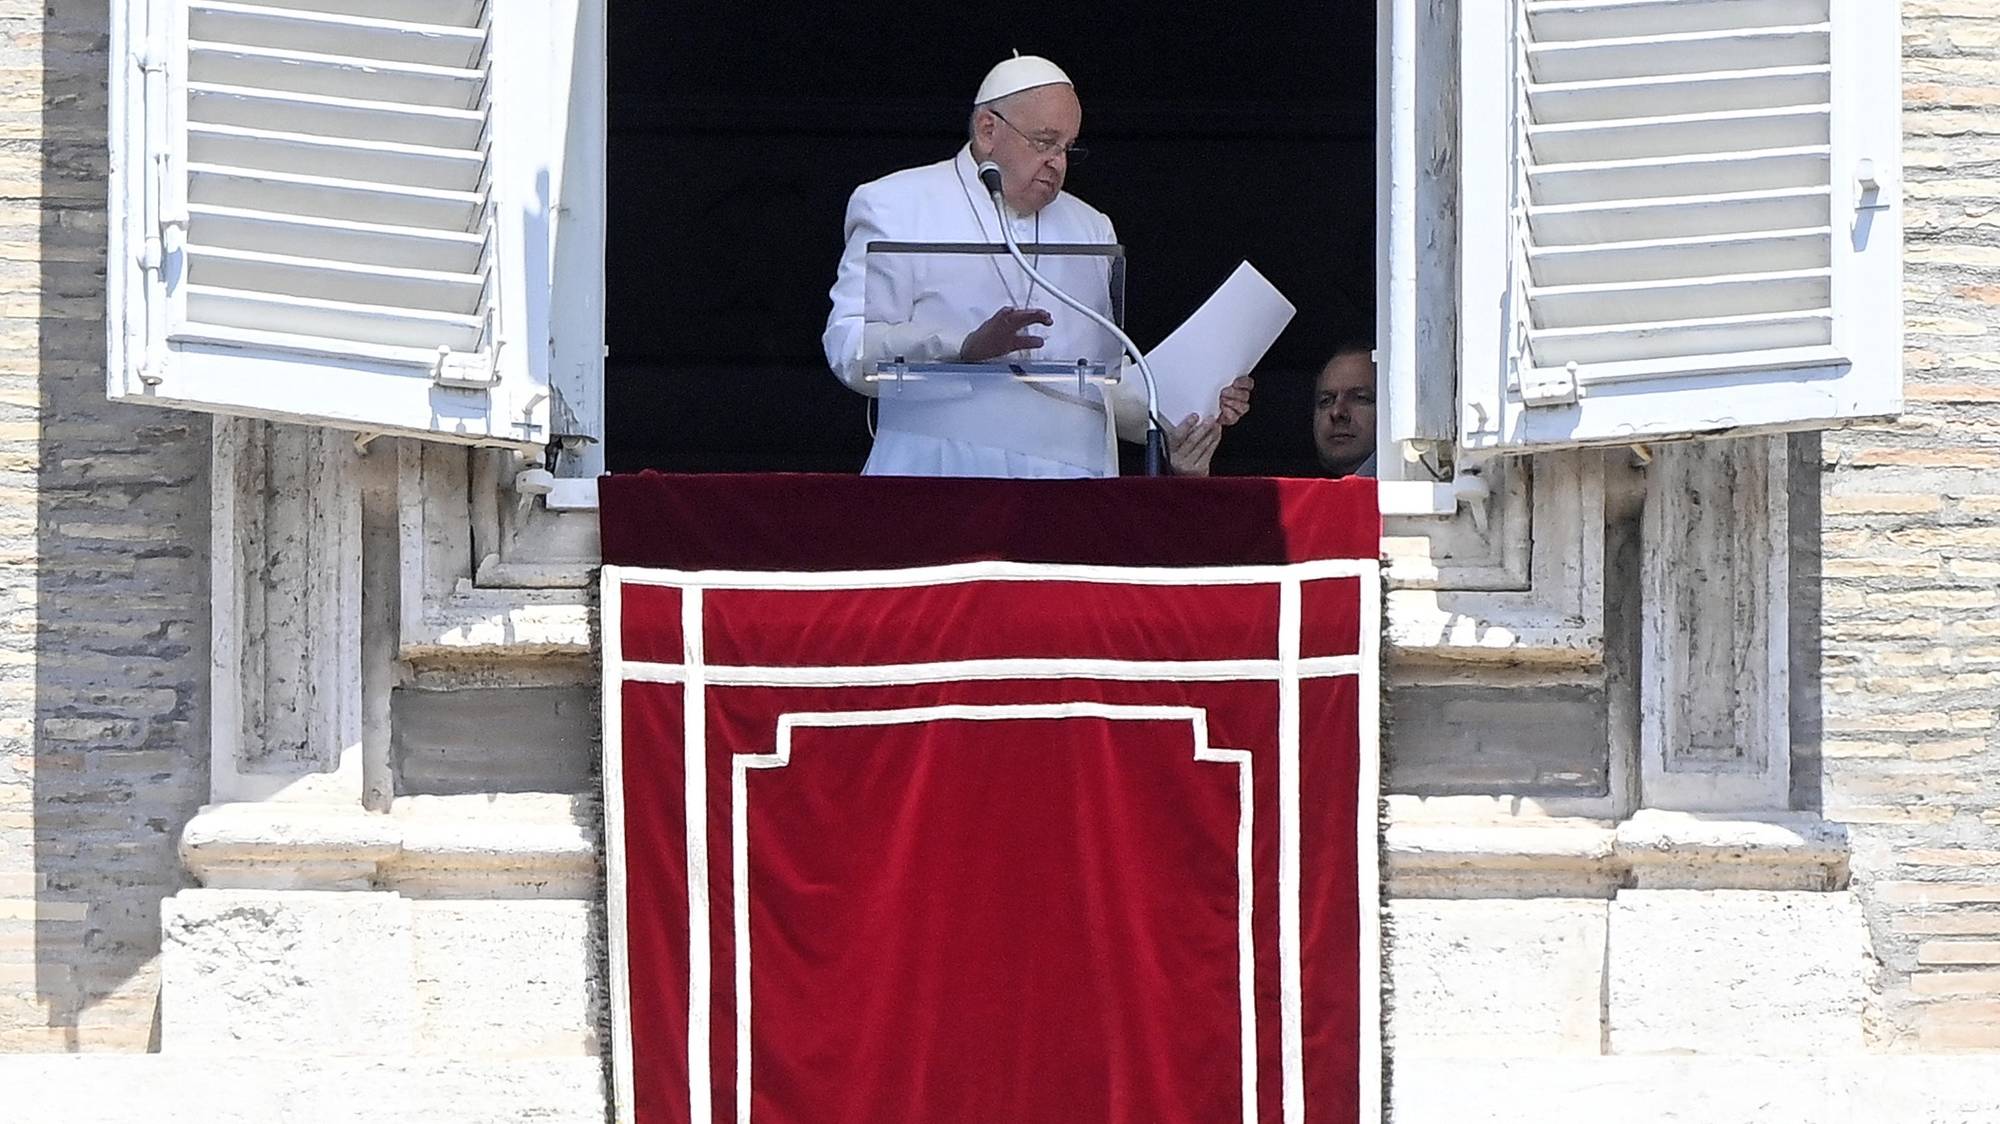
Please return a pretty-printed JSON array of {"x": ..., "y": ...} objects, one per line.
[
  {"x": 1678, "y": 217},
  {"x": 333, "y": 214}
]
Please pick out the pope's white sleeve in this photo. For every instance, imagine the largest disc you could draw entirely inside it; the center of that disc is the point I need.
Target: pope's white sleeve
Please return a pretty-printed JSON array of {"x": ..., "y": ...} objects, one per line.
[
  {"x": 856, "y": 332},
  {"x": 1128, "y": 403}
]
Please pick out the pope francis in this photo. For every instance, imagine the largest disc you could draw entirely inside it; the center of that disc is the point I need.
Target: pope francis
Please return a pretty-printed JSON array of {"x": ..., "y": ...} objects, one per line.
[{"x": 975, "y": 309}]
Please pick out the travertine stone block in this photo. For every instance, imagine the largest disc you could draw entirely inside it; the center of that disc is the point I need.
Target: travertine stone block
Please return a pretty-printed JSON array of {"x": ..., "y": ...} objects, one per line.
[
  {"x": 507, "y": 978},
  {"x": 1696, "y": 1090},
  {"x": 152, "y": 1089},
  {"x": 272, "y": 972},
  {"x": 1735, "y": 972},
  {"x": 1497, "y": 977}
]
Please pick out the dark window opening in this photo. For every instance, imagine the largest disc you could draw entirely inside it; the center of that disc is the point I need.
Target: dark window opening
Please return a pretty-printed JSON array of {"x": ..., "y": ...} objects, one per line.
[{"x": 1217, "y": 133}]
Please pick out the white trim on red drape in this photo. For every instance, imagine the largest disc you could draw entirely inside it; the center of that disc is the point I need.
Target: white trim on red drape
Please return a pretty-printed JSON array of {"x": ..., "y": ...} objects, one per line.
[
  {"x": 1196, "y": 718},
  {"x": 1289, "y": 670}
]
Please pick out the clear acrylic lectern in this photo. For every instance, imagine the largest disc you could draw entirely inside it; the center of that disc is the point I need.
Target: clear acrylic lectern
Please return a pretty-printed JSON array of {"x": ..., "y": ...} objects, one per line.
[{"x": 923, "y": 298}]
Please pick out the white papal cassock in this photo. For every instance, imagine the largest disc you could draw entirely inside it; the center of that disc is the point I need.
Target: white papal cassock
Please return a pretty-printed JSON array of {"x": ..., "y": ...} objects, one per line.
[{"x": 921, "y": 307}]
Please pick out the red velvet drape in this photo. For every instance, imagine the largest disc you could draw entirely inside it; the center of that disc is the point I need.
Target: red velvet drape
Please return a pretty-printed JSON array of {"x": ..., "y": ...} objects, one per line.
[{"x": 977, "y": 884}]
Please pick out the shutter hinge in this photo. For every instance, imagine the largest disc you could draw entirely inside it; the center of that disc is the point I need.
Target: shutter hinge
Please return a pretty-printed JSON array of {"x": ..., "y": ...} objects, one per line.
[
  {"x": 465, "y": 370},
  {"x": 1549, "y": 386}
]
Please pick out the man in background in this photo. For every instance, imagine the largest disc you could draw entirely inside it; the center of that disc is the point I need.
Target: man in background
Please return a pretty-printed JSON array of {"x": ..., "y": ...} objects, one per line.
[{"x": 1343, "y": 415}]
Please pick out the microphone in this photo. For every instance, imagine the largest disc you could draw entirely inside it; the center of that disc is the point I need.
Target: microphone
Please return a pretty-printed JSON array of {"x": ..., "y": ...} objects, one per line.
[{"x": 1156, "y": 441}]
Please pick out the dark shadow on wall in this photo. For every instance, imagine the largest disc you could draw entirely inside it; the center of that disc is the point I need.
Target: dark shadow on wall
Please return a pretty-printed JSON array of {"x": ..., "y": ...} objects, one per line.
[
  {"x": 1807, "y": 718},
  {"x": 119, "y": 564}
]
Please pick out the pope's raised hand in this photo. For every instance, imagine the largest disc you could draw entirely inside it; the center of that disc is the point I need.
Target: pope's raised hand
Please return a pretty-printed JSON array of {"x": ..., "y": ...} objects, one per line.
[{"x": 1005, "y": 331}]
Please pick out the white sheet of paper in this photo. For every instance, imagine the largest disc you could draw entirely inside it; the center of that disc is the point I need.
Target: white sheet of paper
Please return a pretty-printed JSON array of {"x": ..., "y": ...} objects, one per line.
[{"x": 1224, "y": 338}]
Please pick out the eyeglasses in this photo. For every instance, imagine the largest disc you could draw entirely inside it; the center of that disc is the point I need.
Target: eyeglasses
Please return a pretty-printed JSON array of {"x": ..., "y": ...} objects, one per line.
[{"x": 1072, "y": 153}]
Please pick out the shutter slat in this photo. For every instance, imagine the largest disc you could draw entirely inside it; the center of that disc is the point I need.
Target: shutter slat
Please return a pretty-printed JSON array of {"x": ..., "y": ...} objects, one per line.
[
  {"x": 455, "y": 13},
  {"x": 1605, "y": 305},
  {"x": 407, "y": 165},
  {"x": 291, "y": 275},
  {"x": 1684, "y": 135},
  {"x": 337, "y": 323},
  {"x": 317, "y": 30},
  {"x": 1772, "y": 88},
  {"x": 334, "y": 199},
  {"x": 301, "y": 72},
  {"x": 347, "y": 118},
  {"x": 1554, "y": 20},
  {"x": 1679, "y": 217},
  {"x": 1664, "y": 258},
  {"x": 341, "y": 240},
  {"x": 1706, "y": 52},
  {"x": 1679, "y": 339},
  {"x": 1697, "y": 174}
]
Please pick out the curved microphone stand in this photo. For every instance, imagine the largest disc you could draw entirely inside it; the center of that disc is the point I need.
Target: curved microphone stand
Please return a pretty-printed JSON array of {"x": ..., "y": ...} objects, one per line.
[{"x": 1156, "y": 441}]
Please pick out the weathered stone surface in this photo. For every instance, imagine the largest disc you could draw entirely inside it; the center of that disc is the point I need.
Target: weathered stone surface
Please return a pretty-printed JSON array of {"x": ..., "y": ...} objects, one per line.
[
  {"x": 1774, "y": 851},
  {"x": 1539, "y": 858},
  {"x": 1714, "y": 672},
  {"x": 322, "y": 974},
  {"x": 1542, "y": 740},
  {"x": 1696, "y": 1090},
  {"x": 1551, "y": 857},
  {"x": 1487, "y": 978},
  {"x": 497, "y": 845},
  {"x": 508, "y": 978},
  {"x": 1735, "y": 972},
  {"x": 158, "y": 1089},
  {"x": 495, "y": 739},
  {"x": 275, "y": 973}
]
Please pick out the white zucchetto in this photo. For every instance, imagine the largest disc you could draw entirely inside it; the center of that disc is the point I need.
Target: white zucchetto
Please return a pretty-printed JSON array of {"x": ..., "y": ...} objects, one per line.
[{"x": 1022, "y": 72}]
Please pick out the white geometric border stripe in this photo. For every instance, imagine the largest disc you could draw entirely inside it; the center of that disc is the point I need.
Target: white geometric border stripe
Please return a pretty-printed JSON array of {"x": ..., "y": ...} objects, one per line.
[
  {"x": 1195, "y": 717},
  {"x": 1290, "y": 669}
]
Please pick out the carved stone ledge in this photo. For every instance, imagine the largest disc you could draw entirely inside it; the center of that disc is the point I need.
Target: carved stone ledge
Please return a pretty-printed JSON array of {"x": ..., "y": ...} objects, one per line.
[
  {"x": 1773, "y": 851},
  {"x": 530, "y": 845},
  {"x": 513, "y": 846},
  {"x": 501, "y": 623},
  {"x": 285, "y": 846},
  {"x": 1553, "y": 858},
  {"x": 1654, "y": 850}
]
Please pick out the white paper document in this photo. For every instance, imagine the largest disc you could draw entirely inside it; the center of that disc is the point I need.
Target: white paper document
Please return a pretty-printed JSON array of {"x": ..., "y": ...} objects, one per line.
[{"x": 1224, "y": 338}]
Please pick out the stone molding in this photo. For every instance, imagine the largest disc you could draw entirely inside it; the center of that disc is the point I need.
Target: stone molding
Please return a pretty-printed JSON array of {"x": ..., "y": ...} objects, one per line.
[
  {"x": 167, "y": 1089},
  {"x": 1712, "y": 1089},
  {"x": 535, "y": 845},
  {"x": 1715, "y": 682},
  {"x": 1655, "y": 850},
  {"x": 1554, "y": 618},
  {"x": 498, "y": 846}
]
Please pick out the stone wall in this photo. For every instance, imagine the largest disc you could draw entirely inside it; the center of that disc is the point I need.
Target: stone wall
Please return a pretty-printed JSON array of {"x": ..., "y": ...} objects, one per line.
[
  {"x": 103, "y": 572},
  {"x": 1910, "y": 695}
]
